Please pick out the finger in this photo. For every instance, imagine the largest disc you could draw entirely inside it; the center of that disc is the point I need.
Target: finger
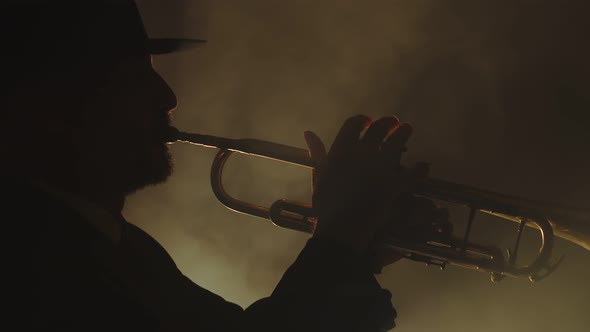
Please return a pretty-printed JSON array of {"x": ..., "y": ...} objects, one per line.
[
  {"x": 424, "y": 205},
  {"x": 317, "y": 152},
  {"x": 382, "y": 257},
  {"x": 391, "y": 258},
  {"x": 411, "y": 178},
  {"x": 395, "y": 143},
  {"x": 442, "y": 213},
  {"x": 349, "y": 134},
  {"x": 417, "y": 175},
  {"x": 420, "y": 170},
  {"x": 423, "y": 211},
  {"x": 317, "y": 149},
  {"x": 444, "y": 226},
  {"x": 378, "y": 131}
]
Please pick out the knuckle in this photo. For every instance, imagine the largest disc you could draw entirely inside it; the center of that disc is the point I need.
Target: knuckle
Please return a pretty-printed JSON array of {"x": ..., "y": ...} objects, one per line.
[{"x": 357, "y": 120}]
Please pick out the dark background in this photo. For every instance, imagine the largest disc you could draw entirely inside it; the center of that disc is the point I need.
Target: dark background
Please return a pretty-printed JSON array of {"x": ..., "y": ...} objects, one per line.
[{"x": 497, "y": 91}]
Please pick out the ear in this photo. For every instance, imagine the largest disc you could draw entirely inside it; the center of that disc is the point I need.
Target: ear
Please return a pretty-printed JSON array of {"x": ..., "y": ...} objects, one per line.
[{"x": 46, "y": 114}]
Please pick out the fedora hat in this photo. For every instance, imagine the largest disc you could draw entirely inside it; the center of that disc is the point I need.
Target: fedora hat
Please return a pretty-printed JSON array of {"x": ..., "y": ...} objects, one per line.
[{"x": 73, "y": 32}]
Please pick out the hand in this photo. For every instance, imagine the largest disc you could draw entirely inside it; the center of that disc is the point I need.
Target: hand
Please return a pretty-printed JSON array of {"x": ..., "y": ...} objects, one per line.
[
  {"x": 413, "y": 219},
  {"x": 355, "y": 183}
]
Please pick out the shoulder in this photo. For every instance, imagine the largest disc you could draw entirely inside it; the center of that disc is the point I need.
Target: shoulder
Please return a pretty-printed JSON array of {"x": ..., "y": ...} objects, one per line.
[
  {"x": 34, "y": 218},
  {"x": 50, "y": 257},
  {"x": 144, "y": 248},
  {"x": 46, "y": 239}
]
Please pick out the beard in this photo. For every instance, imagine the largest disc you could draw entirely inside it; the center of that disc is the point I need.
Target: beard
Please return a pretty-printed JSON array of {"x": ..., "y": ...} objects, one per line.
[
  {"x": 126, "y": 167},
  {"x": 145, "y": 168}
]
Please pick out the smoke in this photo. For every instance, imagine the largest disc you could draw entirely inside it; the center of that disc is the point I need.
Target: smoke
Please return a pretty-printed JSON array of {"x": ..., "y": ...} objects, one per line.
[{"x": 497, "y": 92}]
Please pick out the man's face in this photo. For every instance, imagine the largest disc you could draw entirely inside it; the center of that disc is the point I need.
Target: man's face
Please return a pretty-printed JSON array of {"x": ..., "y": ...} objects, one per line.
[{"x": 122, "y": 139}]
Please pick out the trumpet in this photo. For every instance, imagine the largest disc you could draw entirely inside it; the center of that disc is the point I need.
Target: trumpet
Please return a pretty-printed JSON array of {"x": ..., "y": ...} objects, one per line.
[{"x": 569, "y": 223}]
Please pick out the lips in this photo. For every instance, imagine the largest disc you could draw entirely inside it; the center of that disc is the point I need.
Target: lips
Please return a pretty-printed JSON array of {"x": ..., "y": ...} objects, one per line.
[
  {"x": 170, "y": 134},
  {"x": 161, "y": 135}
]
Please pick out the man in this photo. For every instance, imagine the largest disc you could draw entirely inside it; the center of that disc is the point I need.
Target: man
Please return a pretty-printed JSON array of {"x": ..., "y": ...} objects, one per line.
[{"x": 85, "y": 125}]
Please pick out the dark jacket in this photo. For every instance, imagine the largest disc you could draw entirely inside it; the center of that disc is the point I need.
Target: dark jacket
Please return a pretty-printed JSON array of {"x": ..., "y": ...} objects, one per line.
[{"x": 64, "y": 275}]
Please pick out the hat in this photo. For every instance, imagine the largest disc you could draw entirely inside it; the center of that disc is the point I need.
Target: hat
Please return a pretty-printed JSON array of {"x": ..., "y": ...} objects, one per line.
[{"x": 65, "y": 32}]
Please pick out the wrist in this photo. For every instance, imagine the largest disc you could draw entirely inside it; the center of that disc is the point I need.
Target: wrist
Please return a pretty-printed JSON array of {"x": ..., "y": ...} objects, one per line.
[
  {"x": 341, "y": 255},
  {"x": 350, "y": 239}
]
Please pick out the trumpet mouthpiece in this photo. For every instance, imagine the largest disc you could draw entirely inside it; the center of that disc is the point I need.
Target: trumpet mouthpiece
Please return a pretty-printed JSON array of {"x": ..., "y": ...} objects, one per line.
[{"x": 172, "y": 134}]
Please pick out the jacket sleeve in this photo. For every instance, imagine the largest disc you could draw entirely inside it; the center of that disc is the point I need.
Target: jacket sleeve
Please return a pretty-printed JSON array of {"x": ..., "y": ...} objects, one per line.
[{"x": 327, "y": 288}]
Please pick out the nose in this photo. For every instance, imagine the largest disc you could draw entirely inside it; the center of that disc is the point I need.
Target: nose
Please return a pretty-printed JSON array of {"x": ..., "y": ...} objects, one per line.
[{"x": 166, "y": 97}]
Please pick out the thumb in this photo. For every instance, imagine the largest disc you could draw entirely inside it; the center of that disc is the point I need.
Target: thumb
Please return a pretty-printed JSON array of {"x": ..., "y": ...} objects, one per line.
[
  {"x": 317, "y": 152},
  {"x": 415, "y": 175}
]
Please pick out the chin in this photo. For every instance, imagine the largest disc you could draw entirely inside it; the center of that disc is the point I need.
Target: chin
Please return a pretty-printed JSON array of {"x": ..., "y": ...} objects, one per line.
[
  {"x": 161, "y": 167},
  {"x": 150, "y": 171}
]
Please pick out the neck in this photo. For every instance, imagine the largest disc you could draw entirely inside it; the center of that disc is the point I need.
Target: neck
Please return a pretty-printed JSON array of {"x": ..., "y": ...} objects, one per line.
[
  {"x": 99, "y": 194},
  {"x": 54, "y": 159},
  {"x": 109, "y": 201}
]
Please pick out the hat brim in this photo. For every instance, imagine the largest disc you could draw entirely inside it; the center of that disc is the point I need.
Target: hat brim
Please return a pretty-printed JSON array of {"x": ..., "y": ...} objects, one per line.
[{"x": 171, "y": 45}]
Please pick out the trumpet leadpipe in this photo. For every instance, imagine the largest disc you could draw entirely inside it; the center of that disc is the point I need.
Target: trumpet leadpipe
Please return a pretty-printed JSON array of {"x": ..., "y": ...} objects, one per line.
[{"x": 248, "y": 146}]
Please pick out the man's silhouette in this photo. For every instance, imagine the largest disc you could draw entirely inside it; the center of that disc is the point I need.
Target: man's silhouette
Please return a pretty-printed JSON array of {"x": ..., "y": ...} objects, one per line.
[{"x": 84, "y": 125}]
